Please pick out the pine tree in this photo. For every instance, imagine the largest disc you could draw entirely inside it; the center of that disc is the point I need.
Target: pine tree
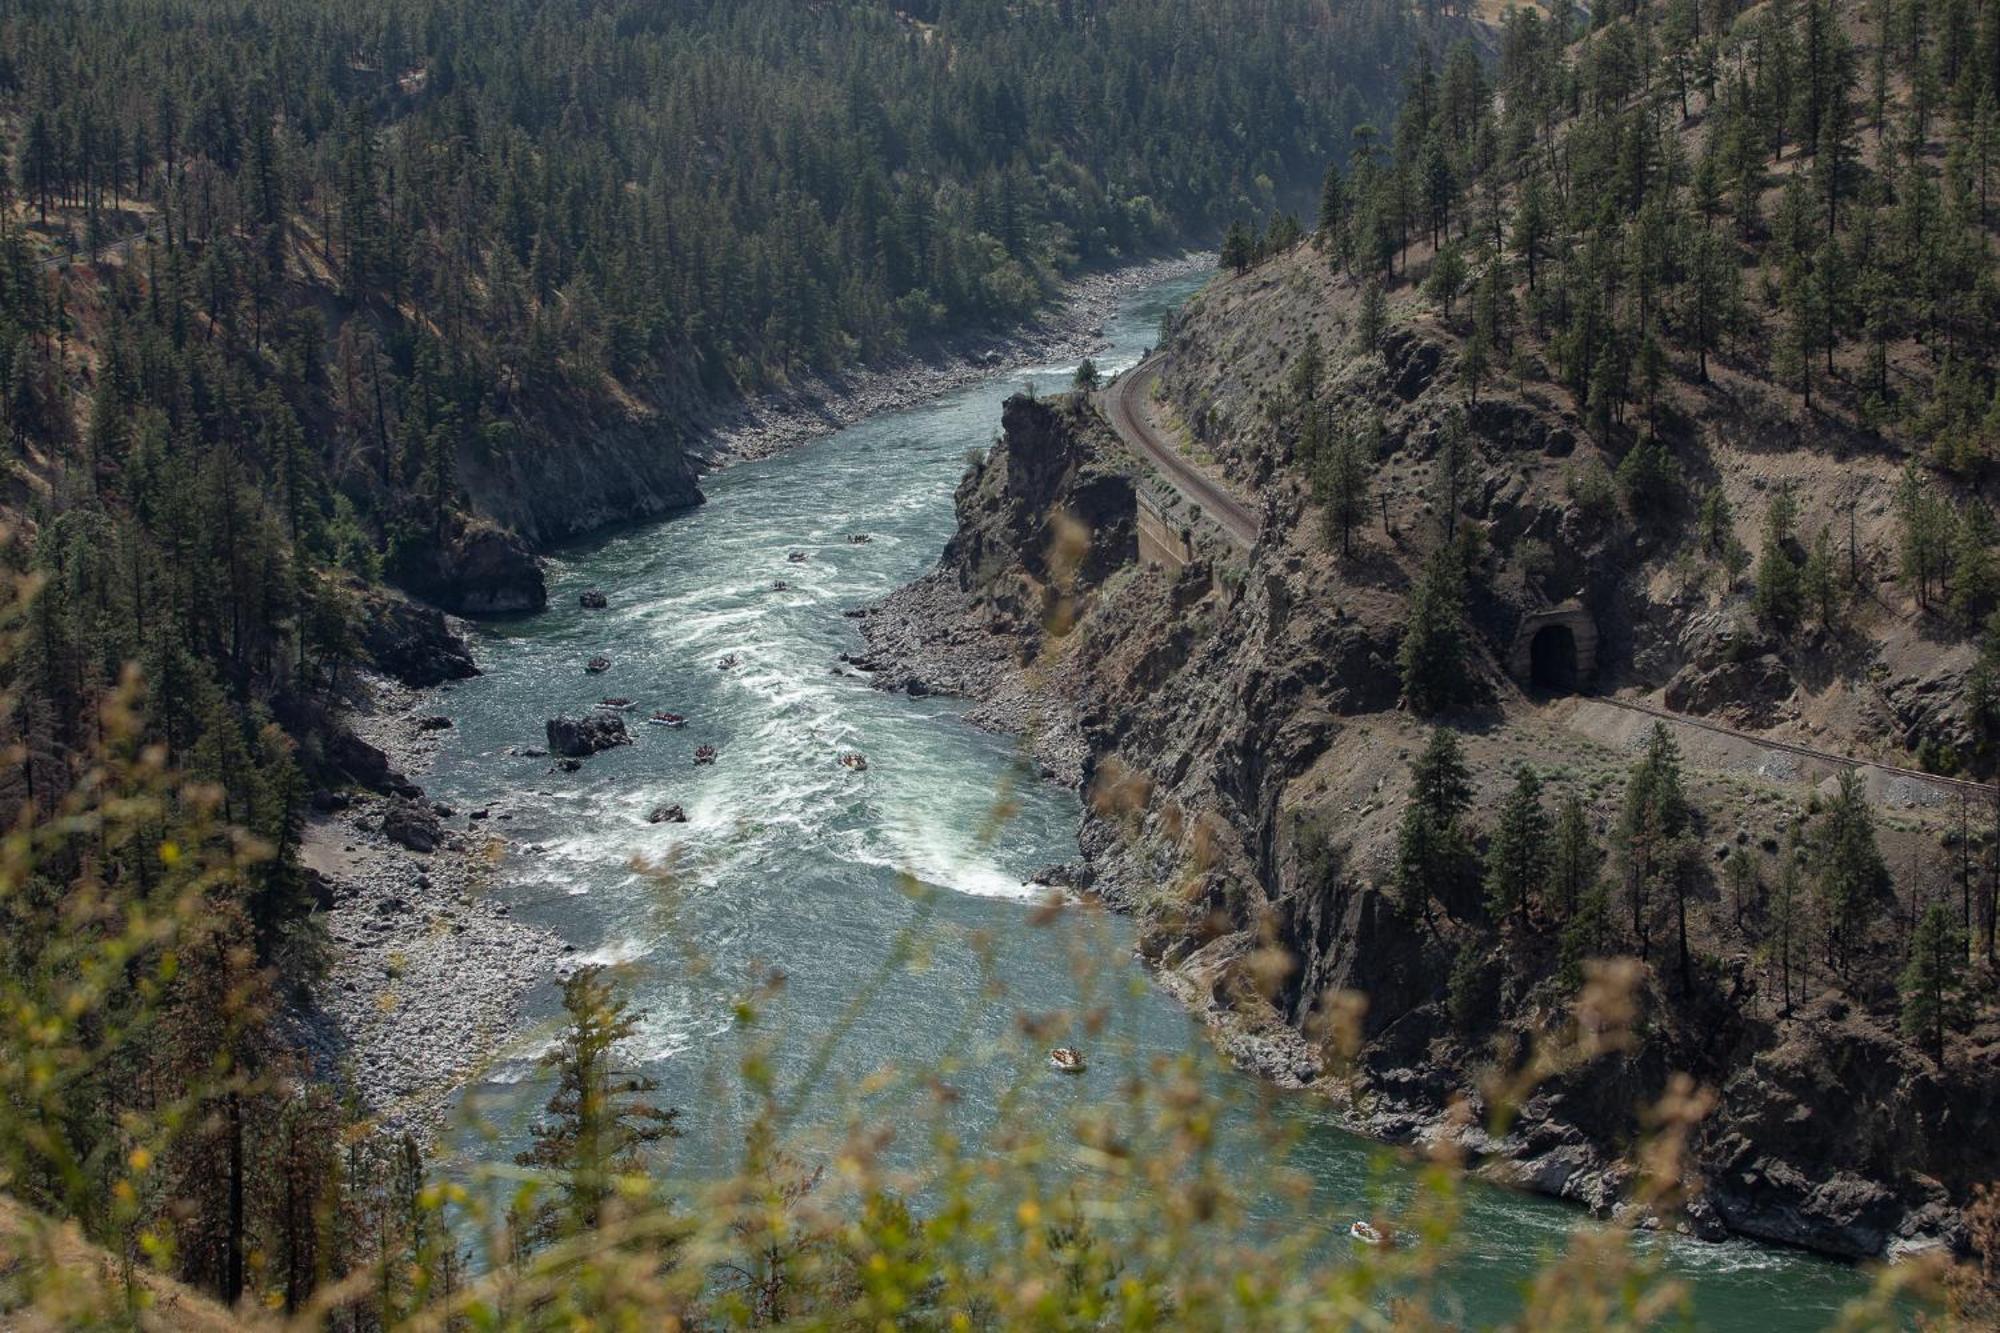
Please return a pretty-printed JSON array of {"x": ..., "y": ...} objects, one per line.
[
  {"x": 1780, "y": 574},
  {"x": 1239, "y": 250},
  {"x": 1372, "y": 320},
  {"x": 1652, "y": 827},
  {"x": 1454, "y": 466},
  {"x": 1583, "y": 936},
  {"x": 1933, "y": 981},
  {"x": 1473, "y": 364},
  {"x": 1340, "y": 482},
  {"x": 1433, "y": 855},
  {"x": 1575, "y": 861},
  {"x": 1447, "y": 279},
  {"x": 594, "y": 1139},
  {"x": 1303, "y": 379},
  {"x": 1745, "y": 889},
  {"x": 1852, "y": 877},
  {"x": 1434, "y": 655},
  {"x": 41, "y": 165},
  {"x": 1715, "y": 523},
  {"x": 1787, "y": 913},
  {"x": 1805, "y": 330},
  {"x": 1714, "y": 297},
  {"x": 1531, "y": 227},
  {"x": 1518, "y": 858},
  {"x": 1927, "y": 532},
  {"x": 1332, "y": 225},
  {"x": 1975, "y": 580},
  {"x": 1821, "y": 584}
]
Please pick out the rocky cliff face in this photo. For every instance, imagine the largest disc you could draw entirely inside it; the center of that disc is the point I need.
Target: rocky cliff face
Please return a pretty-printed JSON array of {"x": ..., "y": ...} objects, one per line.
[
  {"x": 410, "y": 642},
  {"x": 479, "y": 569},
  {"x": 600, "y": 475},
  {"x": 1234, "y": 725},
  {"x": 555, "y": 473}
]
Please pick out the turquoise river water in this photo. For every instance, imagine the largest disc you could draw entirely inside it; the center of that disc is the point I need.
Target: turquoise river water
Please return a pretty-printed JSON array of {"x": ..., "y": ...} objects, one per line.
[{"x": 790, "y": 862}]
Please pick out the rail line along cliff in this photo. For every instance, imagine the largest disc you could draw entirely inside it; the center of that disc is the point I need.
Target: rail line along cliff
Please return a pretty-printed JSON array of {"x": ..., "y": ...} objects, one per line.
[{"x": 1613, "y": 622}]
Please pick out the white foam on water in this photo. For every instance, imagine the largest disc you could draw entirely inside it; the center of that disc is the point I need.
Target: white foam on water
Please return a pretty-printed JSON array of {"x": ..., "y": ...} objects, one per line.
[
  {"x": 932, "y": 860},
  {"x": 661, "y": 1035},
  {"x": 617, "y": 953},
  {"x": 781, "y": 690},
  {"x": 523, "y": 1059},
  {"x": 698, "y": 624},
  {"x": 511, "y": 1072}
]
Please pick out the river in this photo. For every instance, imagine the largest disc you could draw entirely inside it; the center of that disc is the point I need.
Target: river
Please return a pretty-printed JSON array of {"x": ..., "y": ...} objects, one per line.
[{"x": 790, "y": 863}]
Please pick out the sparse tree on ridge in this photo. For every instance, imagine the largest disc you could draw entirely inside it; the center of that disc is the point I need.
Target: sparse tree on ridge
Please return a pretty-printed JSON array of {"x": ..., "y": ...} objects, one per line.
[
  {"x": 1435, "y": 655},
  {"x": 1518, "y": 858},
  {"x": 1933, "y": 983}
]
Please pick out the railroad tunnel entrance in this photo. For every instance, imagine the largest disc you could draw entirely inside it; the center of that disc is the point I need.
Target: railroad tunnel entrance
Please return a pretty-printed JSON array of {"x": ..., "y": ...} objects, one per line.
[
  {"x": 1555, "y": 651},
  {"x": 1552, "y": 660}
]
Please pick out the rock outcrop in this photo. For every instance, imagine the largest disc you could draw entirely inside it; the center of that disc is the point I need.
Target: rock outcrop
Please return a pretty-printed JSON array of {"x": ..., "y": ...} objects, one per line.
[
  {"x": 348, "y": 757},
  {"x": 1234, "y": 723},
  {"x": 603, "y": 473},
  {"x": 413, "y": 643},
  {"x": 580, "y": 737},
  {"x": 480, "y": 570},
  {"x": 411, "y": 824}
]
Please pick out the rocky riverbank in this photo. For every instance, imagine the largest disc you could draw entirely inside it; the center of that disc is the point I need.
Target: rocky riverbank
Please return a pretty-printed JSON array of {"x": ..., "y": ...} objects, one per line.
[
  {"x": 821, "y": 405},
  {"x": 929, "y": 638},
  {"x": 932, "y": 636},
  {"x": 1234, "y": 730},
  {"x": 428, "y": 969}
]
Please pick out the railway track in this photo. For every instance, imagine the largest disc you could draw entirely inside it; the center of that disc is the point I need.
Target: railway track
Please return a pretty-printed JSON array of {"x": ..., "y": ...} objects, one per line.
[
  {"x": 1984, "y": 790},
  {"x": 1124, "y": 404}
]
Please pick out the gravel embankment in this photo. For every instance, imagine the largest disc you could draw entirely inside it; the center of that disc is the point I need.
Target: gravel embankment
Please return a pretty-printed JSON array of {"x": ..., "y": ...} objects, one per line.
[
  {"x": 428, "y": 969},
  {"x": 927, "y": 638}
]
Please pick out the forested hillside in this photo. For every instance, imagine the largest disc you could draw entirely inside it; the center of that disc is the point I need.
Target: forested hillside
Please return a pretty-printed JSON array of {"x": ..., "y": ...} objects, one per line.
[
  {"x": 297, "y": 299},
  {"x": 1684, "y": 229}
]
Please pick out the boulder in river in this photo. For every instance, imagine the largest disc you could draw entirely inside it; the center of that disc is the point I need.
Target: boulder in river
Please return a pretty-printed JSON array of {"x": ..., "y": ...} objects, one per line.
[
  {"x": 667, "y": 814},
  {"x": 575, "y": 737},
  {"x": 434, "y": 722},
  {"x": 1065, "y": 875},
  {"x": 592, "y": 600},
  {"x": 411, "y": 824}
]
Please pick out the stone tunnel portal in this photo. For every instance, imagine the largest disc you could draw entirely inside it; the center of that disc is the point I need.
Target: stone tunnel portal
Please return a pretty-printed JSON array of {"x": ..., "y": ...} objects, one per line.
[{"x": 1555, "y": 651}]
